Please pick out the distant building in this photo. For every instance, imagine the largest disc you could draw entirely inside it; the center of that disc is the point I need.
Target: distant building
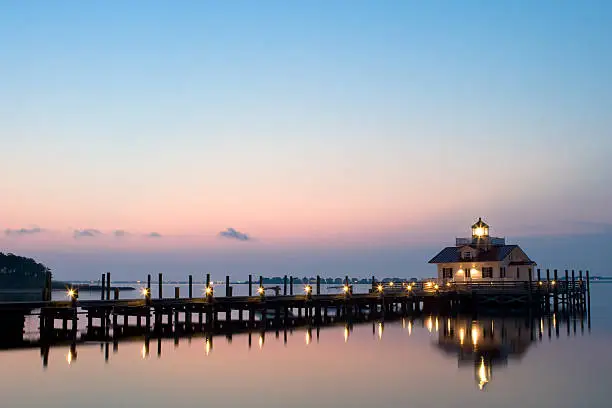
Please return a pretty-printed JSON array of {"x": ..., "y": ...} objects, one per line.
[{"x": 483, "y": 258}]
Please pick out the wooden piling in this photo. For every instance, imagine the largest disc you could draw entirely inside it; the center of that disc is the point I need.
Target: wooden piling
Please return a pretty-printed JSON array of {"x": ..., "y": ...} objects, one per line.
[
  {"x": 572, "y": 291},
  {"x": 318, "y": 285},
  {"x": 291, "y": 285},
  {"x": 108, "y": 285},
  {"x": 530, "y": 288},
  {"x": 190, "y": 286},
  {"x": 285, "y": 285},
  {"x": 260, "y": 281},
  {"x": 565, "y": 295},
  {"x": 250, "y": 285},
  {"x": 556, "y": 292},
  {"x": 588, "y": 294},
  {"x": 227, "y": 286},
  {"x": 177, "y": 292},
  {"x": 159, "y": 285},
  {"x": 103, "y": 286},
  {"x": 581, "y": 299},
  {"x": 116, "y": 294}
]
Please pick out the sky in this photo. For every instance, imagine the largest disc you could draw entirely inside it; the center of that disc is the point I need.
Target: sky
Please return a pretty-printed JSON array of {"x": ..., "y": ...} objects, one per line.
[{"x": 326, "y": 137}]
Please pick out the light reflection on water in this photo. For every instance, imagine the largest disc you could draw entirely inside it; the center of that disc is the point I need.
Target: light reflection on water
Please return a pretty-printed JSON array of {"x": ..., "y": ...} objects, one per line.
[{"x": 430, "y": 361}]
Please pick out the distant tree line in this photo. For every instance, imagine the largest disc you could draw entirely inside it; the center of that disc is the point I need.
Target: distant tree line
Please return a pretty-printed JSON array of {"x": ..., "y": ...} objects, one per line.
[
  {"x": 329, "y": 281},
  {"x": 21, "y": 272}
]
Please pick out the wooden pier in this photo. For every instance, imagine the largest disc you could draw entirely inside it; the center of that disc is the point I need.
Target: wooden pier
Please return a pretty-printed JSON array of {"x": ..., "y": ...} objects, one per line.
[{"x": 269, "y": 308}]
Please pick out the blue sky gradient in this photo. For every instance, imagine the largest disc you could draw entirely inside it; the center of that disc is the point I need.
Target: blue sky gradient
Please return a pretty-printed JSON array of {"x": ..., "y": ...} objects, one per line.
[{"x": 305, "y": 124}]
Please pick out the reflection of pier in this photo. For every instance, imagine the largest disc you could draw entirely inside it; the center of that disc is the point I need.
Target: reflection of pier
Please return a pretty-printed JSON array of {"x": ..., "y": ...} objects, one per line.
[
  {"x": 487, "y": 342},
  {"x": 229, "y": 314},
  {"x": 482, "y": 345}
]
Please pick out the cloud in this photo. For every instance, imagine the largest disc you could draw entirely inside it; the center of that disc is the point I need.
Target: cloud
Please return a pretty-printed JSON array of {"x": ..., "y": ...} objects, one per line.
[
  {"x": 233, "y": 234},
  {"x": 88, "y": 232},
  {"x": 23, "y": 231},
  {"x": 120, "y": 233},
  {"x": 154, "y": 235}
]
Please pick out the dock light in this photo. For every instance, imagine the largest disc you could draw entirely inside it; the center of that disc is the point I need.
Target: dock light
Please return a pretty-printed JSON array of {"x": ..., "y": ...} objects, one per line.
[
  {"x": 345, "y": 289},
  {"x": 144, "y": 292},
  {"x": 261, "y": 290},
  {"x": 553, "y": 283},
  {"x": 391, "y": 283},
  {"x": 540, "y": 283},
  {"x": 308, "y": 289},
  {"x": 409, "y": 288},
  {"x": 380, "y": 288},
  {"x": 71, "y": 293},
  {"x": 448, "y": 284},
  {"x": 436, "y": 287},
  {"x": 429, "y": 284},
  {"x": 208, "y": 290}
]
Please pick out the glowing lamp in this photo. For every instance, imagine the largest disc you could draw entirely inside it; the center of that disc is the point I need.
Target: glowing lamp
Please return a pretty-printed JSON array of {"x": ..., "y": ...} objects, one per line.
[
  {"x": 345, "y": 289},
  {"x": 391, "y": 283},
  {"x": 380, "y": 288},
  {"x": 480, "y": 229},
  {"x": 307, "y": 289},
  {"x": 71, "y": 293},
  {"x": 261, "y": 290}
]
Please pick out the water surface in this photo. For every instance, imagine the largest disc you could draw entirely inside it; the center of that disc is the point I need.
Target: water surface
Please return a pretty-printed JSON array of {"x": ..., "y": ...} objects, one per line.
[{"x": 432, "y": 361}]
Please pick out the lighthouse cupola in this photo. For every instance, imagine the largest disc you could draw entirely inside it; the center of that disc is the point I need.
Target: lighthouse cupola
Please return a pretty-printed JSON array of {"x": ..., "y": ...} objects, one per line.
[{"x": 480, "y": 230}]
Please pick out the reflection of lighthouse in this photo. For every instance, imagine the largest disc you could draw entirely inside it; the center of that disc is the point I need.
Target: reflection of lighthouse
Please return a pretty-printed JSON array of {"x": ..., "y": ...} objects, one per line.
[
  {"x": 483, "y": 373},
  {"x": 483, "y": 343}
]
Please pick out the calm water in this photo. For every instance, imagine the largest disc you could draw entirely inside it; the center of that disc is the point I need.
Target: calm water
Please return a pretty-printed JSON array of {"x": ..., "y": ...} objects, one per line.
[{"x": 428, "y": 362}]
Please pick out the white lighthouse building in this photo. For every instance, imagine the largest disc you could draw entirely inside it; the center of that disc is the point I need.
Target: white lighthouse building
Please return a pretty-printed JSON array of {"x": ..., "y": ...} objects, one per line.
[{"x": 483, "y": 258}]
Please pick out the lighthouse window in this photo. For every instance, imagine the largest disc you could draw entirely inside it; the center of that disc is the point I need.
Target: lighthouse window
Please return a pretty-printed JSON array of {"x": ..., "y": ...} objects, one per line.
[
  {"x": 487, "y": 272},
  {"x": 447, "y": 273}
]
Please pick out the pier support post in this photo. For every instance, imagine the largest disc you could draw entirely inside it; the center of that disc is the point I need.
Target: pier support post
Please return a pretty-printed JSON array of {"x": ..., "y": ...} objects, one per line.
[
  {"x": 227, "y": 286},
  {"x": 556, "y": 292},
  {"x": 291, "y": 285},
  {"x": 190, "y": 286},
  {"x": 250, "y": 285},
  {"x": 588, "y": 293},
  {"x": 159, "y": 285},
  {"x": 580, "y": 292},
  {"x": 285, "y": 285},
  {"x": 573, "y": 291},
  {"x": 318, "y": 285},
  {"x": 103, "y": 287},
  {"x": 108, "y": 285}
]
